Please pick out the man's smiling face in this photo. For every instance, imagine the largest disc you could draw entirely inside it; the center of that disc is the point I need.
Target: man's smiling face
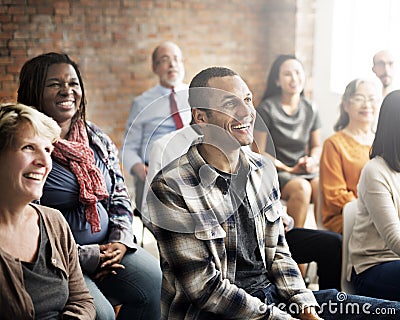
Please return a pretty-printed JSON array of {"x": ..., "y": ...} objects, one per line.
[{"x": 231, "y": 108}]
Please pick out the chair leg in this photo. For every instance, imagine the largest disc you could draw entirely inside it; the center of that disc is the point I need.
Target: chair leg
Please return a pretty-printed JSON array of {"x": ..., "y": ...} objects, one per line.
[
  {"x": 137, "y": 213},
  {"x": 142, "y": 240},
  {"x": 306, "y": 277}
]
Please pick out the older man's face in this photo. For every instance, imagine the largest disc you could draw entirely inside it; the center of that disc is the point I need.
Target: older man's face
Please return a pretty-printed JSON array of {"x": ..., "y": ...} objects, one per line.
[{"x": 169, "y": 65}]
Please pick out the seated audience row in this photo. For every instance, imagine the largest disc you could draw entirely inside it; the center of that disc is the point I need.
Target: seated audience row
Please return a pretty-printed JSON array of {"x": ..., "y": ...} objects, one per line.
[
  {"x": 294, "y": 126},
  {"x": 217, "y": 217},
  {"x": 85, "y": 183}
]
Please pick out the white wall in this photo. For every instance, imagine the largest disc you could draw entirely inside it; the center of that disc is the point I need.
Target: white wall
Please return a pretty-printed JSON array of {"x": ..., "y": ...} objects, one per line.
[
  {"x": 326, "y": 100},
  {"x": 363, "y": 27}
]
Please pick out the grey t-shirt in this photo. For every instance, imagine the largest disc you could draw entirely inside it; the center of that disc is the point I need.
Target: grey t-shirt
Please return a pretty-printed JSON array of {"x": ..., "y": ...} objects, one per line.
[
  {"x": 290, "y": 133},
  {"x": 251, "y": 274},
  {"x": 47, "y": 285}
]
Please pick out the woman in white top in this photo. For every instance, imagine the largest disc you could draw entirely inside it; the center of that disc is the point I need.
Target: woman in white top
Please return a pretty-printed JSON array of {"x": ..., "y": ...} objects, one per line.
[{"x": 374, "y": 245}]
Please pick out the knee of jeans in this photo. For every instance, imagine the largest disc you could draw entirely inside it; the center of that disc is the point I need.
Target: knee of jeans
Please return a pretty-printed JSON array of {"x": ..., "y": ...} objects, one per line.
[
  {"x": 105, "y": 312},
  {"x": 325, "y": 295}
]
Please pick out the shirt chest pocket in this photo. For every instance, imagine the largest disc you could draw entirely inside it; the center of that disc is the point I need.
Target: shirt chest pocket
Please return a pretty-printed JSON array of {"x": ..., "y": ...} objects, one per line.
[
  {"x": 272, "y": 221},
  {"x": 211, "y": 233}
]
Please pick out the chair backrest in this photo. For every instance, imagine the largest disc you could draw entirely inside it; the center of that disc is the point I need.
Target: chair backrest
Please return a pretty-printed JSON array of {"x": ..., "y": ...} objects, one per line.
[{"x": 349, "y": 214}]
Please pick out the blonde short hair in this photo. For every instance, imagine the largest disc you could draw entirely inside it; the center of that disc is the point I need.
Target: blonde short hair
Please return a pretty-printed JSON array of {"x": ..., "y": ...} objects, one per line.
[{"x": 13, "y": 115}]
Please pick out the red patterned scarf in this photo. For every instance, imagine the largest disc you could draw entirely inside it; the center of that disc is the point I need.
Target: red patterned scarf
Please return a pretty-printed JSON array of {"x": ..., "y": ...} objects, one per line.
[{"x": 76, "y": 154}]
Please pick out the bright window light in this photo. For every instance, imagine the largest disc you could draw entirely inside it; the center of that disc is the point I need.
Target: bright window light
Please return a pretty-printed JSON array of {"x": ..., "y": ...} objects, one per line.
[{"x": 360, "y": 29}]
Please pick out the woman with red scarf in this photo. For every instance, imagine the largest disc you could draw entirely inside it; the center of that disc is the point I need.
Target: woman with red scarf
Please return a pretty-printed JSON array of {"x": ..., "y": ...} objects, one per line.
[{"x": 87, "y": 186}]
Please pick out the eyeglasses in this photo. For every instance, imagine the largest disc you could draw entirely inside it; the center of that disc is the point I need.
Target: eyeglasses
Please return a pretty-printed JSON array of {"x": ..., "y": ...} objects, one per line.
[
  {"x": 165, "y": 60},
  {"x": 360, "y": 99}
]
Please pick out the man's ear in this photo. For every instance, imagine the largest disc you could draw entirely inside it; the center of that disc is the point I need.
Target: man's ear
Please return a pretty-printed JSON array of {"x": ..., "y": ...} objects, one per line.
[{"x": 199, "y": 116}]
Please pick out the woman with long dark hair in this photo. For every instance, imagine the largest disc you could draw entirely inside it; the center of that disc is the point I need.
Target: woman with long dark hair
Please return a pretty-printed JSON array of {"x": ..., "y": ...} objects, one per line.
[
  {"x": 374, "y": 246},
  {"x": 294, "y": 126},
  {"x": 87, "y": 186}
]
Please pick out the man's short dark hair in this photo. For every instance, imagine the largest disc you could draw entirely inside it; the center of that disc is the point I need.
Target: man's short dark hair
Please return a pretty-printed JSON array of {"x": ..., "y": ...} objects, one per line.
[{"x": 197, "y": 97}]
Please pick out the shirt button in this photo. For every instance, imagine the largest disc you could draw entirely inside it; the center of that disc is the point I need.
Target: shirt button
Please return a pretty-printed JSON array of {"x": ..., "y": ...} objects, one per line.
[
  {"x": 263, "y": 308},
  {"x": 54, "y": 261}
]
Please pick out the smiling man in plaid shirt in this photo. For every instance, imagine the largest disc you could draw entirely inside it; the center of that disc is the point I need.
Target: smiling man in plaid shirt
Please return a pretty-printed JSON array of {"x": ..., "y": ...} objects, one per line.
[{"x": 216, "y": 215}]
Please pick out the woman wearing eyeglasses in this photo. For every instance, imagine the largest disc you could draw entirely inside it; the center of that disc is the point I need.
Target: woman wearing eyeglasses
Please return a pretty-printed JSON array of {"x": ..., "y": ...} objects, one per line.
[{"x": 345, "y": 153}]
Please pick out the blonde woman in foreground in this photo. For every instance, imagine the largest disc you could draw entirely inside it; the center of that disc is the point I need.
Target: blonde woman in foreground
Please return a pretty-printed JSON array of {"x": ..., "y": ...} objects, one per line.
[{"x": 39, "y": 267}]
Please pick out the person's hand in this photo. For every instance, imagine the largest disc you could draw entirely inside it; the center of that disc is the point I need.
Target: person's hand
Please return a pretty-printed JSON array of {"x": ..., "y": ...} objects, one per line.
[
  {"x": 140, "y": 170},
  {"x": 288, "y": 222},
  {"x": 299, "y": 167},
  {"x": 111, "y": 255},
  {"x": 309, "y": 313},
  {"x": 310, "y": 165}
]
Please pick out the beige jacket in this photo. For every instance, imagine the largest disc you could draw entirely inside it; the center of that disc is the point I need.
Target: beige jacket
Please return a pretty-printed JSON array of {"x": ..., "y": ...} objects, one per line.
[{"x": 15, "y": 302}]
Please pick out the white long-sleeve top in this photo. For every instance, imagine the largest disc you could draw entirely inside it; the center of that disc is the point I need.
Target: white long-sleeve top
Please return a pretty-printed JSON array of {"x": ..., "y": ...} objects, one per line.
[{"x": 376, "y": 234}]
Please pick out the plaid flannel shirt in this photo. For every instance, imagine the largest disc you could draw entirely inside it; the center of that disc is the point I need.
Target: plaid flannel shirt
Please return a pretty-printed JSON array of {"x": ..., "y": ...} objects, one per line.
[{"x": 192, "y": 219}]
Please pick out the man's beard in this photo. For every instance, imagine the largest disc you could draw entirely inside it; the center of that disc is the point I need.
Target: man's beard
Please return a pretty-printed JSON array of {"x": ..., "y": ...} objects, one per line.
[{"x": 175, "y": 81}]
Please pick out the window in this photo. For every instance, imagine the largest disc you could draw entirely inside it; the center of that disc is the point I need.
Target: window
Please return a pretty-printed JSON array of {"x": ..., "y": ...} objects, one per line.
[{"x": 360, "y": 29}]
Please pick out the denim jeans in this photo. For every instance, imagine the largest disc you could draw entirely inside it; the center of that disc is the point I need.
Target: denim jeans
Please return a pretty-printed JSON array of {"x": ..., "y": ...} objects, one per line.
[
  {"x": 338, "y": 305},
  {"x": 137, "y": 288}
]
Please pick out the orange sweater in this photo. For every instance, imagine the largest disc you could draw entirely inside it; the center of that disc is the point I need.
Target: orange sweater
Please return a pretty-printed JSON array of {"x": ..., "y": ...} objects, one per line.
[{"x": 341, "y": 162}]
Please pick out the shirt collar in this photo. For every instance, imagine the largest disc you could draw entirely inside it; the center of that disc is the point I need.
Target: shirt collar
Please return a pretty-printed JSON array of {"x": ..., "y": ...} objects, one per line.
[
  {"x": 207, "y": 175},
  {"x": 165, "y": 90}
]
